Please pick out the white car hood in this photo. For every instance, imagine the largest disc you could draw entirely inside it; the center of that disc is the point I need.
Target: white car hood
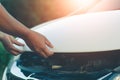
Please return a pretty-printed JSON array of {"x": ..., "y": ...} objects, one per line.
[{"x": 82, "y": 33}]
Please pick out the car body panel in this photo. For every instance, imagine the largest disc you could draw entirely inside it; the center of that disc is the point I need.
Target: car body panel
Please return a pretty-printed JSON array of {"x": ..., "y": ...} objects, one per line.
[
  {"x": 83, "y": 33},
  {"x": 88, "y": 47}
]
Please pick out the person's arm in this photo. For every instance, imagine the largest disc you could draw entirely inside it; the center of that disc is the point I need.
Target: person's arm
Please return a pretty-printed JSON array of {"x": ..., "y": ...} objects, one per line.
[
  {"x": 37, "y": 42},
  {"x": 10, "y": 25}
]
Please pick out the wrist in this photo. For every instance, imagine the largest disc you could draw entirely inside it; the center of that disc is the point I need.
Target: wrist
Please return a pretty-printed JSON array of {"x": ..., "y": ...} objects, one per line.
[{"x": 25, "y": 34}]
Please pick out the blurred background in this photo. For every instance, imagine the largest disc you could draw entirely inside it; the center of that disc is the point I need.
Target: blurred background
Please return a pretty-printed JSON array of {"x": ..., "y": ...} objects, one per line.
[{"x": 34, "y": 12}]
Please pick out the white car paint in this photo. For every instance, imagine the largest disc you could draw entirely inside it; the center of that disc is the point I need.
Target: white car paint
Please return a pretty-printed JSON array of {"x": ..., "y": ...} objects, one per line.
[{"x": 90, "y": 32}]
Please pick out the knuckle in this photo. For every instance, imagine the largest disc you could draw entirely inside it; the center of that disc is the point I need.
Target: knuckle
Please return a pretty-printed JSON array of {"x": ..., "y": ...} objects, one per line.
[
  {"x": 10, "y": 47},
  {"x": 14, "y": 53},
  {"x": 43, "y": 48},
  {"x": 11, "y": 51},
  {"x": 37, "y": 50}
]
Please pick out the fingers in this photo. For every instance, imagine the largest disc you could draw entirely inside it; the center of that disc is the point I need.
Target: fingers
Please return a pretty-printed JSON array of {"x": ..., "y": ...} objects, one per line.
[
  {"x": 38, "y": 43},
  {"x": 16, "y": 42},
  {"x": 8, "y": 42},
  {"x": 43, "y": 54},
  {"x": 47, "y": 51},
  {"x": 48, "y": 43},
  {"x": 10, "y": 48},
  {"x": 13, "y": 50}
]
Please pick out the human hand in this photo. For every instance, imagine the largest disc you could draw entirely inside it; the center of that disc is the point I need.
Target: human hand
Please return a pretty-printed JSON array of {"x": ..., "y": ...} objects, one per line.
[
  {"x": 8, "y": 42},
  {"x": 38, "y": 43}
]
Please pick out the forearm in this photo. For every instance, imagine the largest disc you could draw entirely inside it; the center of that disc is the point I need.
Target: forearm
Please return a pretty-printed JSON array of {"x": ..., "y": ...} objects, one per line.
[
  {"x": 36, "y": 41},
  {"x": 10, "y": 25}
]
